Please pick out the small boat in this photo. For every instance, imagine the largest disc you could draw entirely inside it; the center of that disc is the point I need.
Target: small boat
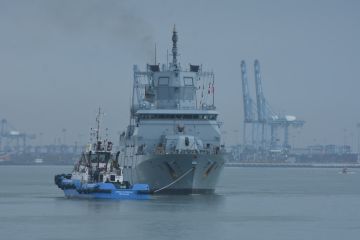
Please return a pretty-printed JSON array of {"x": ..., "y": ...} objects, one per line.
[
  {"x": 38, "y": 160},
  {"x": 345, "y": 170},
  {"x": 97, "y": 175}
]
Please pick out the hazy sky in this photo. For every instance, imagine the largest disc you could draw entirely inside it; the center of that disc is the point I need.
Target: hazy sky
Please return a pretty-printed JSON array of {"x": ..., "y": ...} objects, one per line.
[{"x": 60, "y": 60}]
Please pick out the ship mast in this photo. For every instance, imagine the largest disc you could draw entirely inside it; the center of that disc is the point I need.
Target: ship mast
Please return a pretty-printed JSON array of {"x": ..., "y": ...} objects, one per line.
[{"x": 174, "y": 48}]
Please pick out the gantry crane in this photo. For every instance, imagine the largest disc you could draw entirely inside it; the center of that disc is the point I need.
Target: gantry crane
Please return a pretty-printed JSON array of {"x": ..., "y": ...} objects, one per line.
[
  {"x": 266, "y": 117},
  {"x": 11, "y": 139}
]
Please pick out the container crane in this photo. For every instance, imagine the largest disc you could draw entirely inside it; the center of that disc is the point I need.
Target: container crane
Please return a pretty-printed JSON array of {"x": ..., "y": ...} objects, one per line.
[
  {"x": 15, "y": 140},
  {"x": 249, "y": 115},
  {"x": 266, "y": 117}
]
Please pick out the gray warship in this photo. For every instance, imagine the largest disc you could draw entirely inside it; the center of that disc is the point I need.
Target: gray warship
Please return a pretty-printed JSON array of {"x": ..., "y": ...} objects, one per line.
[{"x": 173, "y": 141}]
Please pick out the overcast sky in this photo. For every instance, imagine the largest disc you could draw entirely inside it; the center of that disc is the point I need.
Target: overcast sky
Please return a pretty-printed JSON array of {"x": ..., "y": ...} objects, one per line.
[{"x": 60, "y": 60}]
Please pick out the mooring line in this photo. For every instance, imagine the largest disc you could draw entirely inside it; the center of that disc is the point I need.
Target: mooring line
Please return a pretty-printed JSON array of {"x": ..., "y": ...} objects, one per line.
[{"x": 176, "y": 180}]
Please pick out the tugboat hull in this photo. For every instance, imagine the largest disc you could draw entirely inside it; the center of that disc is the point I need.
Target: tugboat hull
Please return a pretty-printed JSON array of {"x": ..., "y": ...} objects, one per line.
[
  {"x": 75, "y": 189},
  {"x": 118, "y": 195}
]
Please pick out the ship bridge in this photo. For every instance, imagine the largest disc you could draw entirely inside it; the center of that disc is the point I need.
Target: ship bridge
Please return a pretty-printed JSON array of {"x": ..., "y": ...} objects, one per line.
[
  {"x": 175, "y": 89},
  {"x": 172, "y": 86}
]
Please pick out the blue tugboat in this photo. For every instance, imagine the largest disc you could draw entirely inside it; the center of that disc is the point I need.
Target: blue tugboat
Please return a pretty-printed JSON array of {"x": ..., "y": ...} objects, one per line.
[{"x": 98, "y": 175}]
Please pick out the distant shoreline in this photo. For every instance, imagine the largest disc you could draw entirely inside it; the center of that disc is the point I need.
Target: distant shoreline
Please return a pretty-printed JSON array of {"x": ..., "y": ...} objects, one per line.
[
  {"x": 33, "y": 164},
  {"x": 295, "y": 165},
  {"x": 244, "y": 165}
]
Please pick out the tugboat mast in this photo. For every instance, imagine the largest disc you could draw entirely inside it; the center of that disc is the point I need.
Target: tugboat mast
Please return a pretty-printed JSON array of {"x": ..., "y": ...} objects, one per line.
[{"x": 98, "y": 126}]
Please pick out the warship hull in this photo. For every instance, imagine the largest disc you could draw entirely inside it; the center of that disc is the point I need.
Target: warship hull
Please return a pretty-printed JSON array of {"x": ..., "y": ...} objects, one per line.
[
  {"x": 177, "y": 173},
  {"x": 173, "y": 141}
]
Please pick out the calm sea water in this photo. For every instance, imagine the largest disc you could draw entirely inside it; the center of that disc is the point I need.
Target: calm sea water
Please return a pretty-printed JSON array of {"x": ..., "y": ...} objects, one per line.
[{"x": 251, "y": 203}]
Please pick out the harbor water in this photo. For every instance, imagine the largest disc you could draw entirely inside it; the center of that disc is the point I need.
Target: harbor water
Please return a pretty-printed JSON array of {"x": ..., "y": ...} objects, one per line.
[{"x": 250, "y": 203}]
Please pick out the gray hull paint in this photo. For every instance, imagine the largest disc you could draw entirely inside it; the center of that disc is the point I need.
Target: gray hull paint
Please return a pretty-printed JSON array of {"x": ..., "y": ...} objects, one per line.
[{"x": 161, "y": 170}]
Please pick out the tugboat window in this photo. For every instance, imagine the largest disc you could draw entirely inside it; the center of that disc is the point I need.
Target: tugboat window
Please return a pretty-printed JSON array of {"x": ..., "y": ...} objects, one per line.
[
  {"x": 93, "y": 158},
  {"x": 187, "y": 141},
  {"x": 112, "y": 178}
]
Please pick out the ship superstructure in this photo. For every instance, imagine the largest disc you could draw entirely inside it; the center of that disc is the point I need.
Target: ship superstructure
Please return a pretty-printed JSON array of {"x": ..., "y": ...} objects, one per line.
[{"x": 173, "y": 142}]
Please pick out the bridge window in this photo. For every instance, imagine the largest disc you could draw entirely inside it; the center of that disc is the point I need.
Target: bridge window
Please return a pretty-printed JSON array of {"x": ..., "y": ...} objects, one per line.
[
  {"x": 179, "y": 116},
  {"x": 188, "y": 93},
  {"x": 163, "y": 92},
  {"x": 188, "y": 81},
  {"x": 163, "y": 81}
]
